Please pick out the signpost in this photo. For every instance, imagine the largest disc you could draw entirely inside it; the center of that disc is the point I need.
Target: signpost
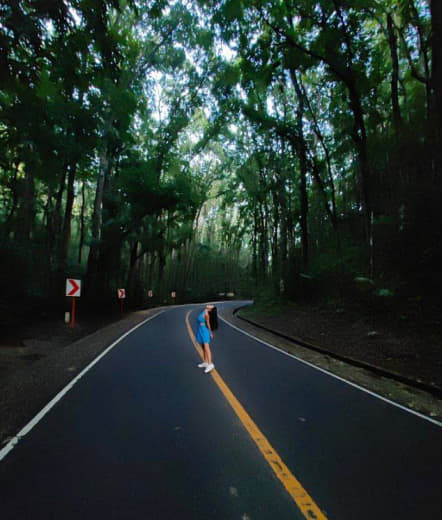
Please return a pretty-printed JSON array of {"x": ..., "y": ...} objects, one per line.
[
  {"x": 73, "y": 289},
  {"x": 121, "y": 296}
]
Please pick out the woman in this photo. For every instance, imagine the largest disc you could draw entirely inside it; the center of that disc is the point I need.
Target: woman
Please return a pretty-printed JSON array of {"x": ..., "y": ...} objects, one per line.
[{"x": 203, "y": 336}]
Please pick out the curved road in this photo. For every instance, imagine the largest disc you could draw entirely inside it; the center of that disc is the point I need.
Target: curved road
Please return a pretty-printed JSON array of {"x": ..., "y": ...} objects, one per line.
[{"x": 145, "y": 434}]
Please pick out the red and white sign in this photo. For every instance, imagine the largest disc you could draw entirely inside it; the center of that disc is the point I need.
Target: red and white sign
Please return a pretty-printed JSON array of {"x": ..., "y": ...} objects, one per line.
[
  {"x": 73, "y": 287},
  {"x": 173, "y": 294},
  {"x": 150, "y": 294},
  {"x": 121, "y": 293}
]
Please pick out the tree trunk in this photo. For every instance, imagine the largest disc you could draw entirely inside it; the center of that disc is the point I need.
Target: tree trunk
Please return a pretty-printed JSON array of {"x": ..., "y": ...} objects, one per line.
[
  {"x": 283, "y": 261},
  {"x": 360, "y": 140},
  {"x": 132, "y": 263},
  {"x": 12, "y": 210},
  {"x": 261, "y": 238},
  {"x": 189, "y": 260},
  {"x": 140, "y": 293},
  {"x": 54, "y": 233},
  {"x": 82, "y": 224},
  {"x": 302, "y": 154},
  {"x": 161, "y": 265},
  {"x": 27, "y": 208},
  {"x": 93, "y": 258},
  {"x": 392, "y": 41},
  {"x": 331, "y": 210},
  {"x": 254, "y": 245},
  {"x": 275, "y": 241},
  {"x": 64, "y": 250},
  {"x": 436, "y": 19},
  {"x": 304, "y": 218},
  {"x": 151, "y": 270},
  {"x": 112, "y": 239},
  {"x": 348, "y": 77},
  {"x": 59, "y": 203},
  {"x": 424, "y": 56}
]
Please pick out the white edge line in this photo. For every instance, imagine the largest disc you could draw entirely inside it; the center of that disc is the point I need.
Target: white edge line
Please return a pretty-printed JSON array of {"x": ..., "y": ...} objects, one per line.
[
  {"x": 374, "y": 394},
  {"x": 26, "y": 429}
]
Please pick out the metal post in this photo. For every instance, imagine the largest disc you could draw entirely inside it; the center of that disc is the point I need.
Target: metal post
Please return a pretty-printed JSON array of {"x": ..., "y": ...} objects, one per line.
[{"x": 73, "y": 313}]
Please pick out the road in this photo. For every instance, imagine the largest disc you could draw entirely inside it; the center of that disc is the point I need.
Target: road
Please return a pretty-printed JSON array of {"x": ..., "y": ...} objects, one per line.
[{"x": 145, "y": 434}]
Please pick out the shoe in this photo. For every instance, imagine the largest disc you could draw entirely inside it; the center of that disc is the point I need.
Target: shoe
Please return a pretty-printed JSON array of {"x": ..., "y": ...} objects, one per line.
[
  {"x": 202, "y": 365},
  {"x": 209, "y": 368}
]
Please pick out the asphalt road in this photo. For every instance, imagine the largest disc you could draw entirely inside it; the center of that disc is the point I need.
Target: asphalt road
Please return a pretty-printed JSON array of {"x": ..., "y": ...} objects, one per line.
[{"x": 145, "y": 434}]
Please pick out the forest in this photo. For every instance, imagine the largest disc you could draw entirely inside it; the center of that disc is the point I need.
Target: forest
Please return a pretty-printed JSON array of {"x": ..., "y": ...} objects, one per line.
[{"x": 282, "y": 149}]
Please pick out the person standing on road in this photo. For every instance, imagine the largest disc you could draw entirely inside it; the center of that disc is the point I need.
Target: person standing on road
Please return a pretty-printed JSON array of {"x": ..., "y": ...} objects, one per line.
[{"x": 204, "y": 335}]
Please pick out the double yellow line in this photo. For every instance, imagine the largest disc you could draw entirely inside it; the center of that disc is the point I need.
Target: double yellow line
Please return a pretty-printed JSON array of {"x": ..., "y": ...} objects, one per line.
[{"x": 303, "y": 500}]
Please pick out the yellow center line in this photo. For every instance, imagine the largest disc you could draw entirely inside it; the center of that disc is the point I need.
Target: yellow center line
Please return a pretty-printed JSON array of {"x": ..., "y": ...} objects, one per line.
[{"x": 303, "y": 500}]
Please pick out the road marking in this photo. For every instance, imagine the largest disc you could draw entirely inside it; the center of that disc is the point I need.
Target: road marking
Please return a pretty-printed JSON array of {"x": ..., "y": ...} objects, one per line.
[
  {"x": 26, "y": 429},
  {"x": 355, "y": 385},
  {"x": 303, "y": 500}
]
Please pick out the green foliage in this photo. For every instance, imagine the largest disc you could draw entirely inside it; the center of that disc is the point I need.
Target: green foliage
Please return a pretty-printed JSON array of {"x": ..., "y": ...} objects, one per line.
[
  {"x": 230, "y": 11},
  {"x": 169, "y": 143}
]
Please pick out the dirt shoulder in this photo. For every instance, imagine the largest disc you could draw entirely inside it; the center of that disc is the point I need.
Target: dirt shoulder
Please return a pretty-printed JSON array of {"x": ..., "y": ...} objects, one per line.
[{"x": 342, "y": 335}]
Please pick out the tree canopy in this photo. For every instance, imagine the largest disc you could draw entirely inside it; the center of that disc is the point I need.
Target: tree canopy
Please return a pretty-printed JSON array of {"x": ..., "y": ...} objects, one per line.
[{"x": 224, "y": 146}]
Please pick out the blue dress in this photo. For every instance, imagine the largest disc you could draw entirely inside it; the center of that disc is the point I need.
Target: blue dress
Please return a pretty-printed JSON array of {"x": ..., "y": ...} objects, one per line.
[{"x": 202, "y": 333}]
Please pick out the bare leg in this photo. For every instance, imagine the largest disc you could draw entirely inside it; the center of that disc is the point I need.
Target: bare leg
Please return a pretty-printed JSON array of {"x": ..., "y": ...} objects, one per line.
[{"x": 207, "y": 354}]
